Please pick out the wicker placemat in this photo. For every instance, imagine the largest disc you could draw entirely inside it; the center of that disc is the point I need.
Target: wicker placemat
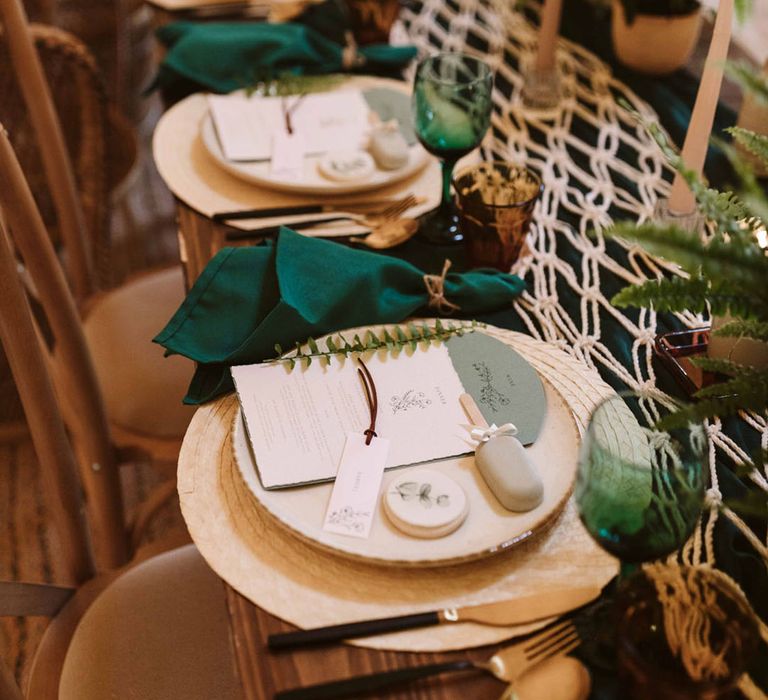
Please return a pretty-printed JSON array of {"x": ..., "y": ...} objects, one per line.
[{"x": 308, "y": 587}]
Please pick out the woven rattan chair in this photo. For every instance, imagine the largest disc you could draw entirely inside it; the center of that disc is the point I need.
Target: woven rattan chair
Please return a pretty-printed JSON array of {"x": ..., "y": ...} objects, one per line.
[
  {"x": 142, "y": 390},
  {"x": 101, "y": 144},
  {"x": 154, "y": 629}
]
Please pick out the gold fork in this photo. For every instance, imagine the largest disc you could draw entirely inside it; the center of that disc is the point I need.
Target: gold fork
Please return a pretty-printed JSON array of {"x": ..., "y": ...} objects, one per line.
[
  {"x": 508, "y": 664},
  {"x": 375, "y": 218},
  {"x": 382, "y": 216}
]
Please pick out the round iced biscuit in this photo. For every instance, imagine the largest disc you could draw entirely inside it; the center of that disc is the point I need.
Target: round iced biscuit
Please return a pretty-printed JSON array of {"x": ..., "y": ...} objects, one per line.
[
  {"x": 425, "y": 503},
  {"x": 346, "y": 166}
]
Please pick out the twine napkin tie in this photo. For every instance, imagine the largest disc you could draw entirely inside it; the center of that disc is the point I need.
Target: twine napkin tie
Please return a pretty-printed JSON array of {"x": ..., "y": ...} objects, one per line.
[
  {"x": 350, "y": 58},
  {"x": 435, "y": 285}
]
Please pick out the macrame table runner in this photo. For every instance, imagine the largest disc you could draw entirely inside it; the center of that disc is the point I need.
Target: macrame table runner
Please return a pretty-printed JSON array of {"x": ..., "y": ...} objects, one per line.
[{"x": 597, "y": 165}]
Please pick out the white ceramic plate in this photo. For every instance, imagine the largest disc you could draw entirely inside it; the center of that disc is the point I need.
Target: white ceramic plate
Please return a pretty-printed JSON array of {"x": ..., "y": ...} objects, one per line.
[
  {"x": 488, "y": 529},
  {"x": 313, "y": 182}
]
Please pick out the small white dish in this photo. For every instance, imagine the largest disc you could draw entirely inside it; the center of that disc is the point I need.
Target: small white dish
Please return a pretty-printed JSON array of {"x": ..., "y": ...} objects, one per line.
[
  {"x": 346, "y": 166},
  {"x": 425, "y": 503}
]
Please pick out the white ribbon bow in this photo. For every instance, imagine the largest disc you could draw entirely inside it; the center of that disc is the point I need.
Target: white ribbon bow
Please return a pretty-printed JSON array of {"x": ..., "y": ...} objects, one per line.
[{"x": 485, "y": 434}]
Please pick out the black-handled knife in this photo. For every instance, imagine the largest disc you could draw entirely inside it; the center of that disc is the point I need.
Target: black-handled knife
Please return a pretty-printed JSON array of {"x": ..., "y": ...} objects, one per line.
[
  {"x": 336, "y": 207},
  {"x": 507, "y": 612},
  {"x": 267, "y": 231}
]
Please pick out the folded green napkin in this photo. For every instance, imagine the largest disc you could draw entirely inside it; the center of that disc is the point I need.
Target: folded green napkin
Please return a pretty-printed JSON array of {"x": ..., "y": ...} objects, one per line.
[
  {"x": 248, "y": 299},
  {"x": 226, "y": 56}
]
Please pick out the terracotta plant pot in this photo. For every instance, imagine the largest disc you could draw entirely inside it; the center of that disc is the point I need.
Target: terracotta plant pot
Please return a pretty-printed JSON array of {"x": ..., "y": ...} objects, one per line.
[{"x": 654, "y": 44}]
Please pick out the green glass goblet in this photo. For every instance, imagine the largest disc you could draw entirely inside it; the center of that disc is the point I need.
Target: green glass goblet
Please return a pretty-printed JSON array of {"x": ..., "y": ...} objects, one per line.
[
  {"x": 451, "y": 107},
  {"x": 639, "y": 491}
]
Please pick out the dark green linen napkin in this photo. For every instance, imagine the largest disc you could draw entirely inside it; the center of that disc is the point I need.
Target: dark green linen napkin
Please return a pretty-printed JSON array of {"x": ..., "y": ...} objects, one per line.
[
  {"x": 248, "y": 299},
  {"x": 226, "y": 56}
]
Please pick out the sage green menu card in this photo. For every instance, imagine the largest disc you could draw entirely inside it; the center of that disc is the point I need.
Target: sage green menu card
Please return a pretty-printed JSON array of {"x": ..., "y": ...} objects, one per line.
[{"x": 504, "y": 386}]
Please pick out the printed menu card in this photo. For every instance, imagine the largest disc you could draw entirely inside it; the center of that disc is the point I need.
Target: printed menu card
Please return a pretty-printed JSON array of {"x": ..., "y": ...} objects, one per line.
[
  {"x": 246, "y": 125},
  {"x": 297, "y": 420}
]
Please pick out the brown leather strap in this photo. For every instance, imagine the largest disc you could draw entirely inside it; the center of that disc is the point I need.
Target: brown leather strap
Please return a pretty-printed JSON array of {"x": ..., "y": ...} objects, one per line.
[{"x": 373, "y": 400}]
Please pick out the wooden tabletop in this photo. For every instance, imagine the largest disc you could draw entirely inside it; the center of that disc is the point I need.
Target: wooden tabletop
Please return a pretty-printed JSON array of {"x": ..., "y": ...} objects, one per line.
[
  {"x": 200, "y": 238},
  {"x": 263, "y": 672}
]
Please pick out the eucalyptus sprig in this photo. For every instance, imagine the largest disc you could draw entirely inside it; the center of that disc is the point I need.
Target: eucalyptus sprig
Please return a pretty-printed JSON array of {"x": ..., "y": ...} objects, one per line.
[
  {"x": 408, "y": 336},
  {"x": 269, "y": 84}
]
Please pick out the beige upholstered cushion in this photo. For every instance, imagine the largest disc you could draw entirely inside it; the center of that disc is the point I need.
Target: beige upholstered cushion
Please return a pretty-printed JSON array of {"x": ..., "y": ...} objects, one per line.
[
  {"x": 142, "y": 389},
  {"x": 158, "y": 632}
]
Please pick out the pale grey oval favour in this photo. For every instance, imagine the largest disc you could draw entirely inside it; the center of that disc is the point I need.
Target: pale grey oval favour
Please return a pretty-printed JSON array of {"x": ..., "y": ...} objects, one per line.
[
  {"x": 503, "y": 463},
  {"x": 388, "y": 147}
]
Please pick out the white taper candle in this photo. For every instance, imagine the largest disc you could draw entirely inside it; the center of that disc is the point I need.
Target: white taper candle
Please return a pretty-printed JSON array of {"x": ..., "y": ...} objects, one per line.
[
  {"x": 548, "y": 31},
  {"x": 681, "y": 199}
]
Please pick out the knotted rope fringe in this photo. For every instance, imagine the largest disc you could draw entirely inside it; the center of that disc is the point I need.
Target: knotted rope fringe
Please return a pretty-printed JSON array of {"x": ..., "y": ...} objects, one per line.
[
  {"x": 435, "y": 285},
  {"x": 696, "y": 626}
]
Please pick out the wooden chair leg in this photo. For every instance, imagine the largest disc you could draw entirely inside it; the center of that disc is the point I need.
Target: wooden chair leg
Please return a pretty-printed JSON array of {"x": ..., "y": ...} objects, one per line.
[
  {"x": 8, "y": 688},
  {"x": 147, "y": 510}
]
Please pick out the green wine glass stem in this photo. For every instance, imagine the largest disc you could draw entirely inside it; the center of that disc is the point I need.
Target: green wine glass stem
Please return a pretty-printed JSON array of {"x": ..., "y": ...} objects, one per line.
[
  {"x": 447, "y": 166},
  {"x": 627, "y": 569}
]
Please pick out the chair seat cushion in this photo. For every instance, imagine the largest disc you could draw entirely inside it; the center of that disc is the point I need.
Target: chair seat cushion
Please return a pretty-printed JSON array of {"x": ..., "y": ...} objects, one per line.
[
  {"x": 142, "y": 389},
  {"x": 158, "y": 632}
]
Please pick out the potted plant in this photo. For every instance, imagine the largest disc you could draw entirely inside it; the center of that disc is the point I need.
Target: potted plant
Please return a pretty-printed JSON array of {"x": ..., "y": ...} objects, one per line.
[{"x": 655, "y": 36}]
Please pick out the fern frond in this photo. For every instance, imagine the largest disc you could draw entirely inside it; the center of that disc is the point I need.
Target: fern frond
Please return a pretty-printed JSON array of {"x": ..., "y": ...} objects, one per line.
[
  {"x": 726, "y": 299},
  {"x": 754, "y": 143},
  {"x": 751, "y": 328},
  {"x": 749, "y": 389},
  {"x": 669, "y": 294},
  {"x": 738, "y": 261},
  {"x": 749, "y": 79},
  {"x": 732, "y": 396},
  {"x": 718, "y": 366}
]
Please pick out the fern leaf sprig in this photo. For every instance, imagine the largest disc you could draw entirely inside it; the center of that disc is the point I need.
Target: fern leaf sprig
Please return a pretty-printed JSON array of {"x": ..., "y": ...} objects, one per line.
[
  {"x": 667, "y": 294},
  {"x": 749, "y": 79},
  {"x": 409, "y": 336},
  {"x": 747, "y": 328},
  {"x": 756, "y": 144},
  {"x": 718, "y": 366},
  {"x": 738, "y": 261},
  {"x": 723, "y": 400}
]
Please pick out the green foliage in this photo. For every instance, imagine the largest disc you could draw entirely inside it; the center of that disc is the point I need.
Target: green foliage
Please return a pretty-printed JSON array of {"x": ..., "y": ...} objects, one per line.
[
  {"x": 267, "y": 82},
  {"x": 754, "y": 143},
  {"x": 749, "y": 79},
  {"x": 746, "y": 328},
  {"x": 632, "y": 8},
  {"x": 726, "y": 274},
  {"x": 395, "y": 340},
  {"x": 667, "y": 294}
]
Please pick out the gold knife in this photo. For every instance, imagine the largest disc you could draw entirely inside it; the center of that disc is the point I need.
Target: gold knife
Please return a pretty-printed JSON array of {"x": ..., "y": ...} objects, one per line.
[{"x": 515, "y": 611}]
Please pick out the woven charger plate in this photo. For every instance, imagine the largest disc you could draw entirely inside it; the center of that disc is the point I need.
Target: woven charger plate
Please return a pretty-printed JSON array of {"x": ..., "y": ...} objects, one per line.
[{"x": 309, "y": 587}]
